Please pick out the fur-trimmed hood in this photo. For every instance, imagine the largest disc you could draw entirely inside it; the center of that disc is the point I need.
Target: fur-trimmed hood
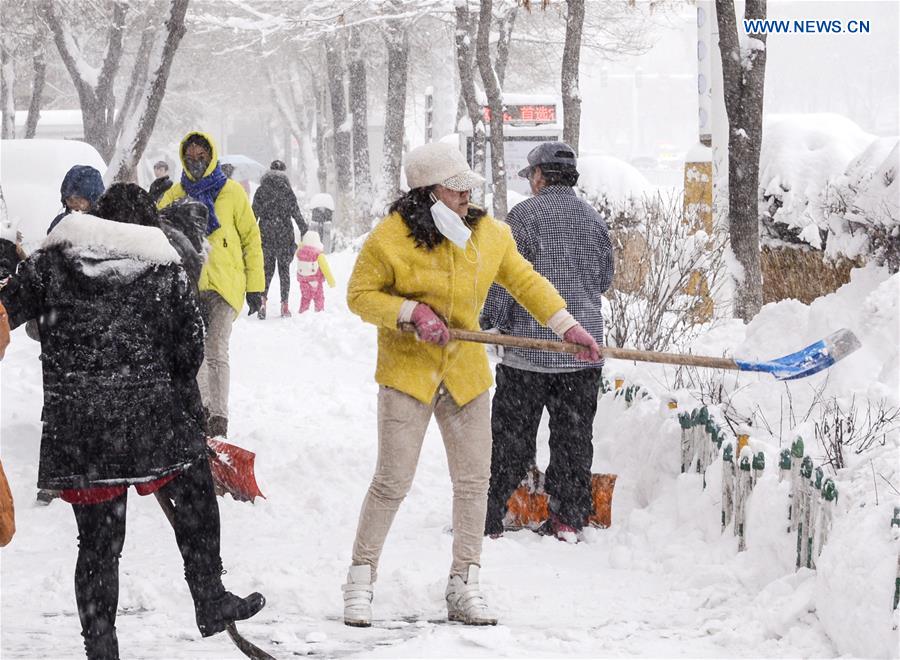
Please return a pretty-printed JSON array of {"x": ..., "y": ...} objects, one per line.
[{"x": 114, "y": 251}]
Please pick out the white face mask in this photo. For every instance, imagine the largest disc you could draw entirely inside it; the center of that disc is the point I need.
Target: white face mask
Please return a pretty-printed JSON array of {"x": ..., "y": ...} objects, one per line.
[{"x": 450, "y": 224}]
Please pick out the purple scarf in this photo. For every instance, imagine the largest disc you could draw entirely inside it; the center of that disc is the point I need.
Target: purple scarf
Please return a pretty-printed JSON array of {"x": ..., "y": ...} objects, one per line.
[{"x": 205, "y": 191}]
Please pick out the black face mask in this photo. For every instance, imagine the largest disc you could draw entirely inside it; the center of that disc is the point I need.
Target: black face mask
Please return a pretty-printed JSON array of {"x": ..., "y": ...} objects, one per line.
[{"x": 196, "y": 168}]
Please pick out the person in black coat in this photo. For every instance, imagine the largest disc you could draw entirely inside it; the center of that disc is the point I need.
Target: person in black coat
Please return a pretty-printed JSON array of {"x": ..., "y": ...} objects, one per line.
[
  {"x": 120, "y": 353},
  {"x": 161, "y": 183},
  {"x": 274, "y": 205}
]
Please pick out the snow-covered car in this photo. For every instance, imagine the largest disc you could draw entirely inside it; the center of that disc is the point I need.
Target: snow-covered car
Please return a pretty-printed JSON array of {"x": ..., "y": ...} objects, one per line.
[{"x": 32, "y": 171}]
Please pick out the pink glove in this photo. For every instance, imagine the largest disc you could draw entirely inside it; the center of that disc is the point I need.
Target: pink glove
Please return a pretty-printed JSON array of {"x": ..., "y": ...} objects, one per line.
[
  {"x": 578, "y": 335},
  {"x": 429, "y": 327}
]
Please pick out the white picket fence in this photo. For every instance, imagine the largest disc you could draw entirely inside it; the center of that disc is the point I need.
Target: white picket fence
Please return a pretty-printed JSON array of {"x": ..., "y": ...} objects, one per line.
[{"x": 812, "y": 497}]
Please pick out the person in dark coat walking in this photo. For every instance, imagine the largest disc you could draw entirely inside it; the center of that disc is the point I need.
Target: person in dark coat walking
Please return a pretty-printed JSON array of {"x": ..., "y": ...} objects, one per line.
[
  {"x": 275, "y": 204},
  {"x": 161, "y": 183},
  {"x": 80, "y": 190},
  {"x": 568, "y": 243},
  {"x": 120, "y": 355}
]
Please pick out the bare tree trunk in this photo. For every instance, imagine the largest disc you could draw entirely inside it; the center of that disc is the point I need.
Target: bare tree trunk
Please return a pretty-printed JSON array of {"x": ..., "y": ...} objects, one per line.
[
  {"x": 37, "y": 84},
  {"x": 743, "y": 78},
  {"x": 7, "y": 91},
  {"x": 495, "y": 102},
  {"x": 504, "y": 35},
  {"x": 97, "y": 101},
  {"x": 397, "y": 41},
  {"x": 465, "y": 62},
  {"x": 138, "y": 129},
  {"x": 141, "y": 68},
  {"x": 321, "y": 132},
  {"x": 571, "y": 97},
  {"x": 362, "y": 183},
  {"x": 335, "y": 45}
]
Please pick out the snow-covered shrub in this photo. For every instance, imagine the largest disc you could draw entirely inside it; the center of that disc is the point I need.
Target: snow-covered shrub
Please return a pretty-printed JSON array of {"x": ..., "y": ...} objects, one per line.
[
  {"x": 659, "y": 298},
  {"x": 828, "y": 185},
  {"x": 855, "y": 427},
  {"x": 800, "y": 155}
]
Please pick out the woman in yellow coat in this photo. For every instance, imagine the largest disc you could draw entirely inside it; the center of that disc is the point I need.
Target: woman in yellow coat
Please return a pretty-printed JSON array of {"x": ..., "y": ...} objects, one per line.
[
  {"x": 233, "y": 270},
  {"x": 430, "y": 263}
]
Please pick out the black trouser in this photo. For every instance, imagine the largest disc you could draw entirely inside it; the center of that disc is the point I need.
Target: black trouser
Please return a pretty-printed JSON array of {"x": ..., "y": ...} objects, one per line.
[
  {"x": 519, "y": 401},
  {"x": 282, "y": 254},
  {"x": 101, "y": 535}
]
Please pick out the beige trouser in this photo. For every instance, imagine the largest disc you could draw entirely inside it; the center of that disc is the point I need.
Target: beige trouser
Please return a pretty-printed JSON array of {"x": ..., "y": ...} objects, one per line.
[
  {"x": 214, "y": 373},
  {"x": 466, "y": 430}
]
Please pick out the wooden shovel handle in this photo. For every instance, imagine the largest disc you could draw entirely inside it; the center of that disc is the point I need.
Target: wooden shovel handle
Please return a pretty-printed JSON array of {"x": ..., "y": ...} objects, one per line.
[{"x": 513, "y": 341}]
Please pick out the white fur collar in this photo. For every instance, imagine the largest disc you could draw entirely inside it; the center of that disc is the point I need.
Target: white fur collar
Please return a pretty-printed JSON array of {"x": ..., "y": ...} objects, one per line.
[{"x": 107, "y": 238}]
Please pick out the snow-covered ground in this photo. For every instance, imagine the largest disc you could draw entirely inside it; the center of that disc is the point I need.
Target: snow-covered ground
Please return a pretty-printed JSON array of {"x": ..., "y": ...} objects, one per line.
[{"x": 663, "y": 581}]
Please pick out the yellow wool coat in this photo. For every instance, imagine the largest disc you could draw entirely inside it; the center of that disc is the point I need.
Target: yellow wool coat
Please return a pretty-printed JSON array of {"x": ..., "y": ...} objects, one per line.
[
  {"x": 454, "y": 283},
  {"x": 235, "y": 262}
]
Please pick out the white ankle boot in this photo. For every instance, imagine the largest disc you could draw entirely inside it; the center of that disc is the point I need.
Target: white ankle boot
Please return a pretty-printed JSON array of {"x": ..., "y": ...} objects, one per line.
[
  {"x": 465, "y": 602},
  {"x": 358, "y": 597}
]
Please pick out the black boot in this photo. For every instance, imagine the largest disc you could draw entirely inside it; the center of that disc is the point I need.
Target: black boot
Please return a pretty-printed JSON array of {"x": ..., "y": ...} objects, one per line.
[
  {"x": 216, "y": 608},
  {"x": 102, "y": 647},
  {"x": 217, "y": 426},
  {"x": 215, "y": 614}
]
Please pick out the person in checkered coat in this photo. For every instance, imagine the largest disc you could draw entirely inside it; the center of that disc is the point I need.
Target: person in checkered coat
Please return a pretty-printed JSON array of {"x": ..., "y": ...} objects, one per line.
[{"x": 568, "y": 243}]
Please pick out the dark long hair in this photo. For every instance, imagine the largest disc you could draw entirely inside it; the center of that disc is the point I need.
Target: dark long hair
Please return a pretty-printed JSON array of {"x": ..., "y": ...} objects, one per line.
[
  {"x": 415, "y": 209},
  {"x": 128, "y": 203}
]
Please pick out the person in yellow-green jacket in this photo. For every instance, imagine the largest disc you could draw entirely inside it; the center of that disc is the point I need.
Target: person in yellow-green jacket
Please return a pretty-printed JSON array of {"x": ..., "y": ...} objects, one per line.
[
  {"x": 233, "y": 270},
  {"x": 430, "y": 264}
]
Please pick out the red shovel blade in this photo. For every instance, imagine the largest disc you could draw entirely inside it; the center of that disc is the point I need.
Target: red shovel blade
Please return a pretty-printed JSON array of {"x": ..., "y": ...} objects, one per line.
[{"x": 232, "y": 470}]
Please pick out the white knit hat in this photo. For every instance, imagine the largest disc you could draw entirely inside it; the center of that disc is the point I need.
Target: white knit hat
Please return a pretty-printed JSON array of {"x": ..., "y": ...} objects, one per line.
[
  {"x": 311, "y": 238},
  {"x": 437, "y": 162}
]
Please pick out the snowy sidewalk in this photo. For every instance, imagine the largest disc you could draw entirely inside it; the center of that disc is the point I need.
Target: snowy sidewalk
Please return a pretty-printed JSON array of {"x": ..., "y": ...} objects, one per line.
[{"x": 663, "y": 581}]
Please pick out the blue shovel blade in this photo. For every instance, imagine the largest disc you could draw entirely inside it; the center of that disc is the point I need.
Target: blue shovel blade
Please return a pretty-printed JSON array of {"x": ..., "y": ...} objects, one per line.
[{"x": 808, "y": 361}]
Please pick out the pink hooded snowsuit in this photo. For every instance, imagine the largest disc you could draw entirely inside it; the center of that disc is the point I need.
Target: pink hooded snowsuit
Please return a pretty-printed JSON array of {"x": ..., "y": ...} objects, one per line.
[{"x": 312, "y": 271}]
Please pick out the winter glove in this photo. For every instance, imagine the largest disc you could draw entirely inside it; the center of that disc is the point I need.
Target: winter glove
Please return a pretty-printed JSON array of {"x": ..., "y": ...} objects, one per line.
[
  {"x": 578, "y": 335},
  {"x": 254, "y": 302},
  {"x": 429, "y": 327}
]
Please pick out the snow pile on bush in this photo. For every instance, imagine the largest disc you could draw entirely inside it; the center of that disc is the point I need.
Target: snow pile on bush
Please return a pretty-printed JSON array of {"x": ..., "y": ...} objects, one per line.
[
  {"x": 607, "y": 176},
  {"x": 800, "y": 154},
  {"x": 864, "y": 206}
]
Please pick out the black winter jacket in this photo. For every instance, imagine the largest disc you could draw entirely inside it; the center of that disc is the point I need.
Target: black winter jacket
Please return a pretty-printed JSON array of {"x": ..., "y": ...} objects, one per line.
[
  {"x": 122, "y": 340},
  {"x": 274, "y": 204}
]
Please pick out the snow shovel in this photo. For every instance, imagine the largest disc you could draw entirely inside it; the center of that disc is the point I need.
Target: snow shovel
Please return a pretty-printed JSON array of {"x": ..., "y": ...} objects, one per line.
[
  {"x": 805, "y": 362},
  {"x": 232, "y": 470}
]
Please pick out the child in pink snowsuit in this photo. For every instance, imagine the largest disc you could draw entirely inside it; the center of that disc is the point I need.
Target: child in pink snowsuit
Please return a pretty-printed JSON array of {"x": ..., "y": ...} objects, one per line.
[{"x": 312, "y": 271}]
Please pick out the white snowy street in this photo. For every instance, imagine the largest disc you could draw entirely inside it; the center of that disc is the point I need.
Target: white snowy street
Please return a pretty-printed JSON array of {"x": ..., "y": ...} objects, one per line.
[{"x": 662, "y": 582}]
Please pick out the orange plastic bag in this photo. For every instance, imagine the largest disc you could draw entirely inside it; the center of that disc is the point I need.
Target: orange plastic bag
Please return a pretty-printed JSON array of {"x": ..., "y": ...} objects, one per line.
[
  {"x": 4, "y": 330},
  {"x": 7, "y": 511},
  {"x": 528, "y": 506}
]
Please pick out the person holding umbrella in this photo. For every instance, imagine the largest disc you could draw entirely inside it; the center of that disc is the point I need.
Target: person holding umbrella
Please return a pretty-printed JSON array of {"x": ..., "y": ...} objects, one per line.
[{"x": 429, "y": 265}]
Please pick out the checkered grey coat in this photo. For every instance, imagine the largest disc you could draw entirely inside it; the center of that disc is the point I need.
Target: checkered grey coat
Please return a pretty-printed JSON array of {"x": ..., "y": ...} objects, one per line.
[{"x": 568, "y": 243}]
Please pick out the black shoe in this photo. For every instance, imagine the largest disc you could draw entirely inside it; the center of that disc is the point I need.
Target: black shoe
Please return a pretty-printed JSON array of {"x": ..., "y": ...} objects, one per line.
[
  {"x": 217, "y": 426},
  {"x": 45, "y": 496},
  {"x": 213, "y": 616}
]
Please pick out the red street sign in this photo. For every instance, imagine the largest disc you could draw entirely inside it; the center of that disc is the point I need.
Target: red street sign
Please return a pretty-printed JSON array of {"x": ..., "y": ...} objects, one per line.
[{"x": 525, "y": 114}]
